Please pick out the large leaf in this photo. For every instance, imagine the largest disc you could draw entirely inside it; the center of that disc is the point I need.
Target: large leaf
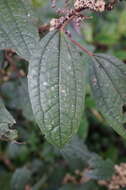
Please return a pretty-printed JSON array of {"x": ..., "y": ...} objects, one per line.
[
  {"x": 108, "y": 82},
  {"x": 6, "y": 122},
  {"x": 56, "y": 86},
  {"x": 16, "y": 31}
]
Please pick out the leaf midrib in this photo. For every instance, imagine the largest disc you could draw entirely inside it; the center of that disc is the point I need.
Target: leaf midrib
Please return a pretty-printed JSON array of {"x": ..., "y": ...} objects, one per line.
[
  {"x": 111, "y": 80},
  {"x": 59, "y": 83},
  {"x": 75, "y": 83},
  {"x": 100, "y": 89}
]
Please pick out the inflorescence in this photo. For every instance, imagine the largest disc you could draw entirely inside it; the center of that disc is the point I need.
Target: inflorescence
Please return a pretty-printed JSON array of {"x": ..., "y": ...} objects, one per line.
[{"x": 74, "y": 14}]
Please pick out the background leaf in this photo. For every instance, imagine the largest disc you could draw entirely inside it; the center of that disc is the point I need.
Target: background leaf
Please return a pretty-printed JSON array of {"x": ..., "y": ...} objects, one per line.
[
  {"x": 17, "y": 96},
  {"x": 98, "y": 168},
  {"x": 6, "y": 122},
  {"x": 86, "y": 186},
  {"x": 108, "y": 82},
  {"x": 76, "y": 150},
  {"x": 101, "y": 169},
  {"x": 16, "y": 31},
  {"x": 20, "y": 179}
]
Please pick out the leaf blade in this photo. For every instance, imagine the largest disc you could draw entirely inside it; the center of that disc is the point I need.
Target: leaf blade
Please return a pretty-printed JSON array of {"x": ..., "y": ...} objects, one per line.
[
  {"x": 6, "y": 122},
  {"x": 21, "y": 177},
  {"x": 17, "y": 96},
  {"x": 58, "y": 81},
  {"x": 107, "y": 79},
  {"x": 97, "y": 167},
  {"x": 16, "y": 32}
]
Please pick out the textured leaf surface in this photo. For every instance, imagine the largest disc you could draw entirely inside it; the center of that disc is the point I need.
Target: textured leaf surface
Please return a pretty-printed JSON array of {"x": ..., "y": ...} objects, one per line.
[
  {"x": 56, "y": 86},
  {"x": 20, "y": 179},
  {"x": 17, "y": 96},
  {"x": 16, "y": 31},
  {"x": 76, "y": 149},
  {"x": 108, "y": 82},
  {"x": 6, "y": 122}
]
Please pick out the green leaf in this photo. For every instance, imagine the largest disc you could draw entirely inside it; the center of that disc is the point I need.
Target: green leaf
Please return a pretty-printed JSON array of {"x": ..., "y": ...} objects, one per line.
[
  {"x": 108, "y": 82},
  {"x": 6, "y": 122},
  {"x": 120, "y": 53},
  {"x": 98, "y": 168},
  {"x": 57, "y": 88},
  {"x": 105, "y": 36},
  {"x": 121, "y": 26},
  {"x": 20, "y": 179},
  {"x": 101, "y": 169},
  {"x": 38, "y": 3},
  {"x": 83, "y": 128},
  {"x": 76, "y": 149},
  {"x": 17, "y": 96},
  {"x": 16, "y": 31}
]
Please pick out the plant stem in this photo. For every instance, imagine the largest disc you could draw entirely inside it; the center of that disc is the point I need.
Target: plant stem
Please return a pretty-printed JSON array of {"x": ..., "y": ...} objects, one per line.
[{"x": 79, "y": 45}]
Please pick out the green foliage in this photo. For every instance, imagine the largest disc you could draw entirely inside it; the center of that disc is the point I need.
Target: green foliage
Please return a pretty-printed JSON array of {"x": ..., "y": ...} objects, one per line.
[
  {"x": 20, "y": 99},
  {"x": 6, "y": 123},
  {"x": 108, "y": 37},
  {"x": 5, "y": 181},
  {"x": 84, "y": 128},
  {"x": 20, "y": 179},
  {"x": 121, "y": 25},
  {"x": 100, "y": 169},
  {"x": 107, "y": 78},
  {"x": 56, "y": 86},
  {"x": 57, "y": 93},
  {"x": 16, "y": 31},
  {"x": 86, "y": 186}
]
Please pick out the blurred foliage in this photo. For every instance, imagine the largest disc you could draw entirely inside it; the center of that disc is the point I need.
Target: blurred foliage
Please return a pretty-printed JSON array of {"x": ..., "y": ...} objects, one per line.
[{"x": 30, "y": 163}]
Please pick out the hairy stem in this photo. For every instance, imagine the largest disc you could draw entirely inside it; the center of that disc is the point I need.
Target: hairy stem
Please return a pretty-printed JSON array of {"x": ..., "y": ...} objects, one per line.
[{"x": 79, "y": 45}]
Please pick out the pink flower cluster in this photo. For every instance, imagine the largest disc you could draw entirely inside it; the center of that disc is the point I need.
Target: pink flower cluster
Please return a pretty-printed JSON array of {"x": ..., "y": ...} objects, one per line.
[{"x": 98, "y": 5}]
